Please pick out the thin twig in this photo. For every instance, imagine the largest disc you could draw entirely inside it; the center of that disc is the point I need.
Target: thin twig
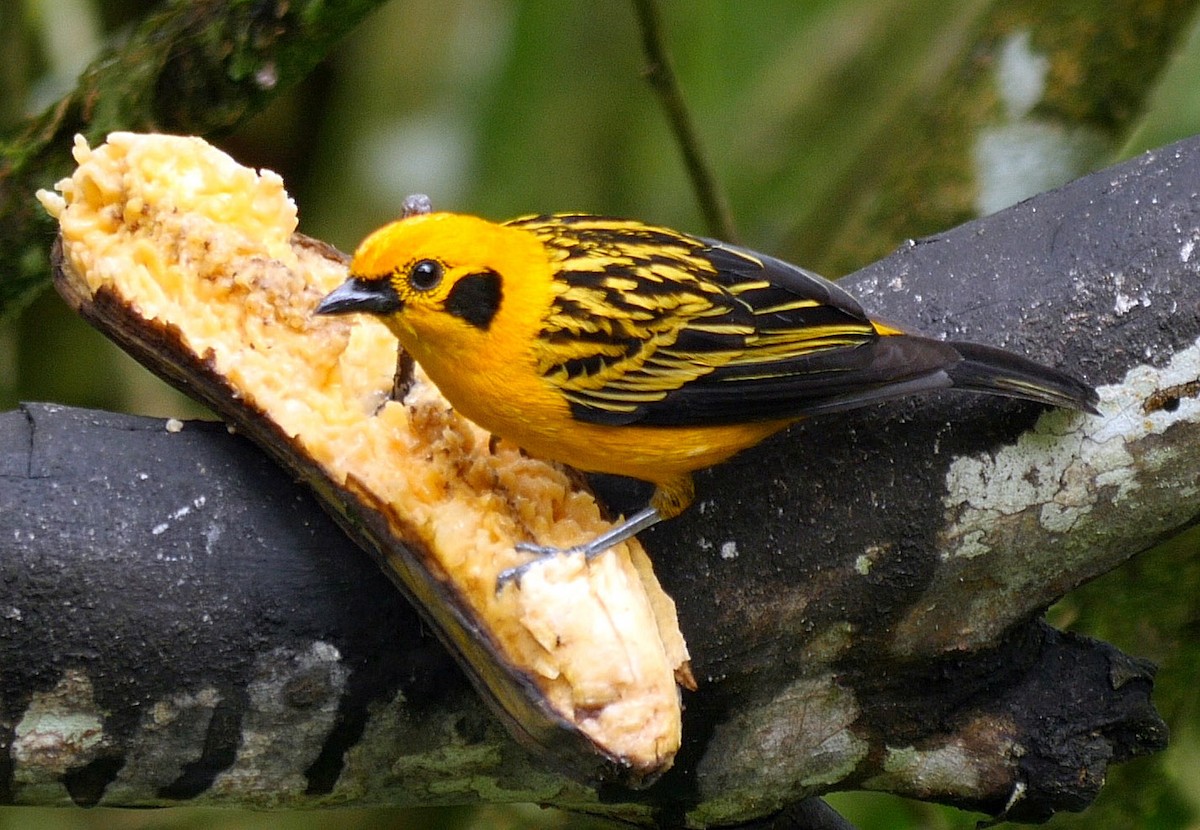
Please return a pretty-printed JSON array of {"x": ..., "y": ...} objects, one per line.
[{"x": 661, "y": 76}]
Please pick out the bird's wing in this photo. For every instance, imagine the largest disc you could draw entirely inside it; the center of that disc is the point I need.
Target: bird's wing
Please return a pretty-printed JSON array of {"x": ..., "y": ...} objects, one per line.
[{"x": 654, "y": 327}]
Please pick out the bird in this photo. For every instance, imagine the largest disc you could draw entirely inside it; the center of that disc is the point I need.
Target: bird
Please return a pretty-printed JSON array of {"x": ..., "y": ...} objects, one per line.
[{"x": 615, "y": 346}]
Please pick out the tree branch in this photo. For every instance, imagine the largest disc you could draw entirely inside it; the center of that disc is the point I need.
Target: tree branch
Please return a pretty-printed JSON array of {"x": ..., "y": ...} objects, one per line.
[{"x": 860, "y": 596}]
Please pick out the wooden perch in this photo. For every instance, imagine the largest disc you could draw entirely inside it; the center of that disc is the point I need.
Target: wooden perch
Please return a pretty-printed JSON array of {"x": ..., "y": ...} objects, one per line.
[{"x": 861, "y": 595}]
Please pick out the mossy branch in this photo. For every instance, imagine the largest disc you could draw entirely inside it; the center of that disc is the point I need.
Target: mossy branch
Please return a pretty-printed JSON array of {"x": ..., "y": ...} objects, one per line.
[{"x": 193, "y": 67}]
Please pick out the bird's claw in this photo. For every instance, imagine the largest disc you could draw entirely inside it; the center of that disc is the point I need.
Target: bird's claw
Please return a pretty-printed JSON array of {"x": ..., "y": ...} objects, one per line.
[
  {"x": 647, "y": 517},
  {"x": 541, "y": 553}
]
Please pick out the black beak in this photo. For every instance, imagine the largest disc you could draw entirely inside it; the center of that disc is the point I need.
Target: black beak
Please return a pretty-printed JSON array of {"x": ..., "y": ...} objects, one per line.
[{"x": 358, "y": 295}]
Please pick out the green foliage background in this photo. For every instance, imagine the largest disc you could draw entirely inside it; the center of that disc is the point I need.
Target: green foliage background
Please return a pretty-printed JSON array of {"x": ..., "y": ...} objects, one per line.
[{"x": 838, "y": 129}]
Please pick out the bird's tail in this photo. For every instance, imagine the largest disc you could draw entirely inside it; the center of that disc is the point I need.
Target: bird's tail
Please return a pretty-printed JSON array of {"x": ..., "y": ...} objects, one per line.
[{"x": 997, "y": 372}]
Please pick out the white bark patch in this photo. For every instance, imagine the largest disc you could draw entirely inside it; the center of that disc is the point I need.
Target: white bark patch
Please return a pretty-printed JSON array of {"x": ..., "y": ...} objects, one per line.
[
  {"x": 1073, "y": 498},
  {"x": 293, "y": 703},
  {"x": 1022, "y": 153},
  {"x": 790, "y": 746},
  {"x": 1070, "y": 463},
  {"x": 1021, "y": 74},
  {"x": 1124, "y": 303},
  {"x": 947, "y": 766},
  {"x": 61, "y": 729},
  {"x": 170, "y": 737},
  {"x": 980, "y": 751}
]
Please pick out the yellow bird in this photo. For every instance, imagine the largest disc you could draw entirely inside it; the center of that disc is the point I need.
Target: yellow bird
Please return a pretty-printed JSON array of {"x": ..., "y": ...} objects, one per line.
[{"x": 619, "y": 347}]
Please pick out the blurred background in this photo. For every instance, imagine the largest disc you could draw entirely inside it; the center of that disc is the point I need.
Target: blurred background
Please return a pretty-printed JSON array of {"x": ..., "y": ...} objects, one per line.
[{"x": 837, "y": 130}]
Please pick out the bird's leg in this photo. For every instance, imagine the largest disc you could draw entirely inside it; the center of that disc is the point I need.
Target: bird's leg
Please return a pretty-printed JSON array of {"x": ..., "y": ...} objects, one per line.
[
  {"x": 635, "y": 524},
  {"x": 668, "y": 501}
]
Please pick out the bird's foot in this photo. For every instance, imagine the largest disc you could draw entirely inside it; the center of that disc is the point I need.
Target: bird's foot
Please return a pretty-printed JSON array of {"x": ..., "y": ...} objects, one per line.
[
  {"x": 541, "y": 553},
  {"x": 623, "y": 531}
]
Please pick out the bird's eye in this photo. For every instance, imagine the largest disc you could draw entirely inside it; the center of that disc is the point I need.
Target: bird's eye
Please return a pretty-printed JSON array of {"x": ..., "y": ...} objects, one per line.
[{"x": 425, "y": 275}]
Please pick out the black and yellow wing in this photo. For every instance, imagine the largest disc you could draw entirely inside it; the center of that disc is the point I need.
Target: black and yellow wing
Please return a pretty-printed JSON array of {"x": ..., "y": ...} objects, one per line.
[{"x": 654, "y": 327}]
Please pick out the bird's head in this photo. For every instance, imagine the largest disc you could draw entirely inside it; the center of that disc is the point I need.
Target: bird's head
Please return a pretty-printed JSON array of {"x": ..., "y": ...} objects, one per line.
[{"x": 436, "y": 279}]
